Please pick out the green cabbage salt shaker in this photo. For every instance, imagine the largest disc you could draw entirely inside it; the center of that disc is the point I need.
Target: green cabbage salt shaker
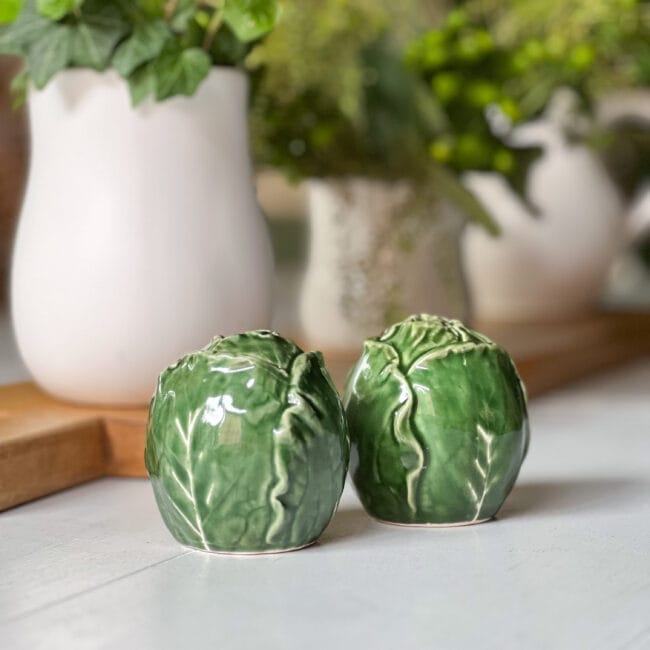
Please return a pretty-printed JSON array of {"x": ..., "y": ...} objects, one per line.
[
  {"x": 247, "y": 447},
  {"x": 438, "y": 424}
]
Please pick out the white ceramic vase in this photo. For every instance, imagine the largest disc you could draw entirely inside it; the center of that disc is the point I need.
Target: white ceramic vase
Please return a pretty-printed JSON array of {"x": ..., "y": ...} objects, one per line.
[
  {"x": 551, "y": 264},
  {"x": 140, "y": 235},
  {"x": 378, "y": 252}
]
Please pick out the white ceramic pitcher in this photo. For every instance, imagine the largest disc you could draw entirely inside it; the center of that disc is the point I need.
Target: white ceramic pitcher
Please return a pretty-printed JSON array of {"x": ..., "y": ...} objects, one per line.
[
  {"x": 140, "y": 237},
  {"x": 553, "y": 264},
  {"x": 378, "y": 252}
]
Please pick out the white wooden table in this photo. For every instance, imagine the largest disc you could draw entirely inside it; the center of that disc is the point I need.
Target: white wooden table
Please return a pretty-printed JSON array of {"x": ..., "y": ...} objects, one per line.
[{"x": 566, "y": 565}]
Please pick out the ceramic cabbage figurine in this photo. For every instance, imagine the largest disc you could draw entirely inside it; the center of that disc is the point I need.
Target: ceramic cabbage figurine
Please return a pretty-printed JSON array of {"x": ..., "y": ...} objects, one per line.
[
  {"x": 438, "y": 423},
  {"x": 247, "y": 446}
]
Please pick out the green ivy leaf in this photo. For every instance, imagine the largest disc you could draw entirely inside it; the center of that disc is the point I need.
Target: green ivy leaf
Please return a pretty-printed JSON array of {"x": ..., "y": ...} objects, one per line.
[
  {"x": 17, "y": 37},
  {"x": 93, "y": 45},
  {"x": 142, "y": 83},
  {"x": 146, "y": 43},
  {"x": 250, "y": 19},
  {"x": 18, "y": 89},
  {"x": 56, "y": 9},
  {"x": 227, "y": 49},
  {"x": 179, "y": 72},
  {"x": 9, "y": 10},
  {"x": 153, "y": 8},
  {"x": 185, "y": 11},
  {"x": 106, "y": 16},
  {"x": 50, "y": 54}
]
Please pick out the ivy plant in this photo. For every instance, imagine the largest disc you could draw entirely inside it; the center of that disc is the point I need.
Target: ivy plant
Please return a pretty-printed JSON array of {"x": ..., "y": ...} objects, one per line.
[
  {"x": 161, "y": 47},
  {"x": 333, "y": 97}
]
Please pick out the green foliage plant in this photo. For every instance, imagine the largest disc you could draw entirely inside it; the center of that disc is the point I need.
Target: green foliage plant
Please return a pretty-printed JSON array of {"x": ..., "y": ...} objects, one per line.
[
  {"x": 478, "y": 80},
  {"x": 334, "y": 99},
  {"x": 509, "y": 57},
  {"x": 613, "y": 35},
  {"x": 162, "y": 48}
]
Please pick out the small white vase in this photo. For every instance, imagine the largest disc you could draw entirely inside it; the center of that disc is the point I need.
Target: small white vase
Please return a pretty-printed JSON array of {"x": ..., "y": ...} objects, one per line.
[
  {"x": 140, "y": 236},
  {"x": 550, "y": 265},
  {"x": 378, "y": 252}
]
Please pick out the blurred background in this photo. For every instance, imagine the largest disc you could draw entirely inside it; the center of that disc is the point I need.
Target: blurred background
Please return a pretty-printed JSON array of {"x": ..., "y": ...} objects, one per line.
[
  {"x": 521, "y": 128},
  {"x": 487, "y": 160}
]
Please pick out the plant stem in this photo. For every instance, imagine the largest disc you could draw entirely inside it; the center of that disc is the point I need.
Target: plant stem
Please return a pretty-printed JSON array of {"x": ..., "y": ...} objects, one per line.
[
  {"x": 212, "y": 29},
  {"x": 170, "y": 9}
]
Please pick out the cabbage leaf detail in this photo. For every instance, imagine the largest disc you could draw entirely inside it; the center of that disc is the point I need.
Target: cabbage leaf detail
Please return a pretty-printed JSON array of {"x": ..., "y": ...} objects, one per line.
[
  {"x": 438, "y": 422},
  {"x": 247, "y": 446}
]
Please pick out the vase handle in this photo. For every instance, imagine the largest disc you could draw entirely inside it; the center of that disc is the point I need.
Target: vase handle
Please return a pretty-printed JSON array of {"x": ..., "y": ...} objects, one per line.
[{"x": 638, "y": 220}]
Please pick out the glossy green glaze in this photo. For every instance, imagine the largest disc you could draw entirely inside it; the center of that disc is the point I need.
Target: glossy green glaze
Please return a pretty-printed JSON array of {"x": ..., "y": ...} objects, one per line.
[
  {"x": 438, "y": 423},
  {"x": 247, "y": 446}
]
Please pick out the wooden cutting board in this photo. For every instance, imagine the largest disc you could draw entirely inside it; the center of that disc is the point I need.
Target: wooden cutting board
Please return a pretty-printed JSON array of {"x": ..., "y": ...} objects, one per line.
[{"x": 47, "y": 445}]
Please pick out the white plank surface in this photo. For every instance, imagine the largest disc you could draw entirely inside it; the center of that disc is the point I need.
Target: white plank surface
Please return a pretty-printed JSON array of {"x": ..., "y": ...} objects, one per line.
[{"x": 566, "y": 565}]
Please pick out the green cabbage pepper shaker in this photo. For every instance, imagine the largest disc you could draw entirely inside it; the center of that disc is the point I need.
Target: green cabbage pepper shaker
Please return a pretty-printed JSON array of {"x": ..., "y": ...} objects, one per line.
[
  {"x": 247, "y": 447},
  {"x": 438, "y": 423}
]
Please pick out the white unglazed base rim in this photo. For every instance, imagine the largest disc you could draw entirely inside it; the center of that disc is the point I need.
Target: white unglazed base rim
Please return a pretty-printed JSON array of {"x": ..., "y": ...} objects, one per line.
[
  {"x": 249, "y": 553},
  {"x": 455, "y": 524}
]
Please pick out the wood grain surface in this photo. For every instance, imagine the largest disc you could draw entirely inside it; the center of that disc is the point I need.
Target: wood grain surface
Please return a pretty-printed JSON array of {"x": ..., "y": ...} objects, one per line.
[{"x": 47, "y": 445}]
